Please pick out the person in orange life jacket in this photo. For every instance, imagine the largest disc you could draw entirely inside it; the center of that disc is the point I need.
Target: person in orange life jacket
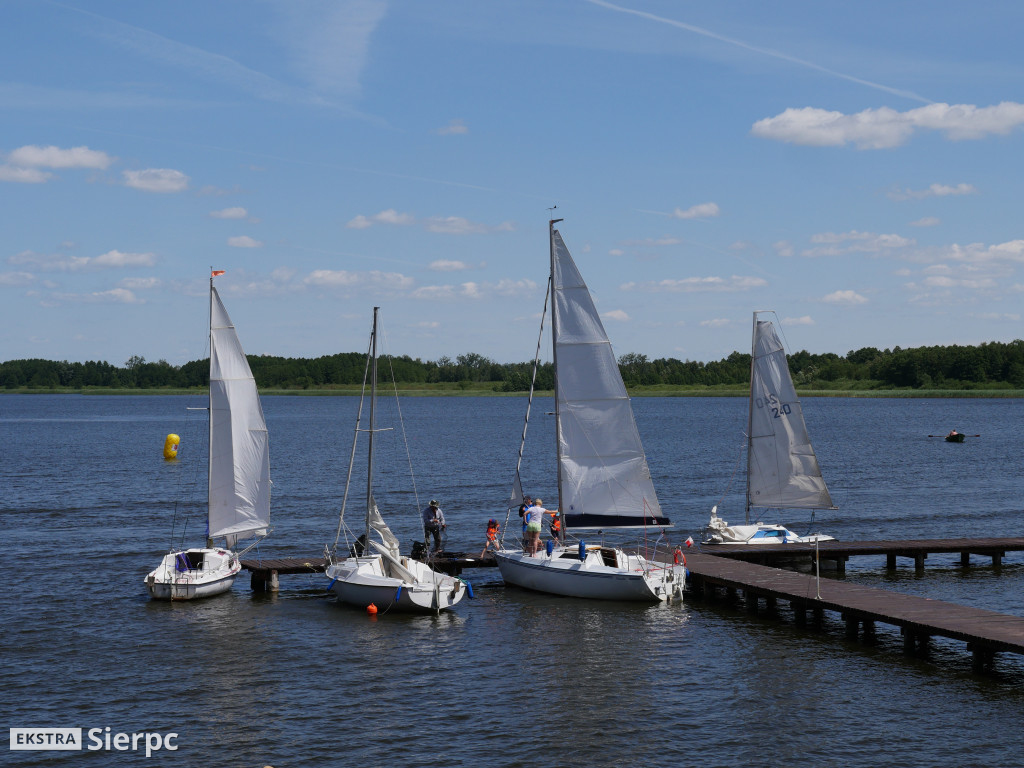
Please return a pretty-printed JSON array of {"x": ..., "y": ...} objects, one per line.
[
  {"x": 556, "y": 525},
  {"x": 433, "y": 523},
  {"x": 534, "y": 516},
  {"x": 492, "y": 537}
]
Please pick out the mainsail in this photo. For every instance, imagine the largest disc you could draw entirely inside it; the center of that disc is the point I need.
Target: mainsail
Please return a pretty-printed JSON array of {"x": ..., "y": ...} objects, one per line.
[
  {"x": 782, "y": 470},
  {"x": 604, "y": 481},
  {"x": 239, "y": 495}
]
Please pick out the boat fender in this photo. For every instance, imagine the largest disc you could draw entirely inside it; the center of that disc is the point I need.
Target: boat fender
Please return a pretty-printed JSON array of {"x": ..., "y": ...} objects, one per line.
[
  {"x": 331, "y": 584},
  {"x": 551, "y": 547},
  {"x": 398, "y": 594},
  {"x": 469, "y": 589},
  {"x": 583, "y": 551},
  {"x": 171, "y": 446}
]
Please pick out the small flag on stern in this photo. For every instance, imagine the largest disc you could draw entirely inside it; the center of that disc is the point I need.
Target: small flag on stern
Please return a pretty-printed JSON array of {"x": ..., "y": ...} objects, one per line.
[
  {"x": 217, "y": 272},
  {"x": 689, "y": 541}
]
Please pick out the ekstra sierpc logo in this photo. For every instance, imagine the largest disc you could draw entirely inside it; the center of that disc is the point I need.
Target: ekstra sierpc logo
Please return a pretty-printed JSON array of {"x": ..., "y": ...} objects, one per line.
[{"x": 96, "y": 739}]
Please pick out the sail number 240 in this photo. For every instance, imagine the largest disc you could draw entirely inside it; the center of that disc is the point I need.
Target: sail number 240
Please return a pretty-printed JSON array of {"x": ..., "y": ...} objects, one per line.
[{"x": 778, "y": 409}]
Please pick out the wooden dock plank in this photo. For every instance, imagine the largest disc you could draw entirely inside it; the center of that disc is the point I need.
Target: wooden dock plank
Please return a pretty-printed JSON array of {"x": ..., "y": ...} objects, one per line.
[{"x": 923, "y": 616}]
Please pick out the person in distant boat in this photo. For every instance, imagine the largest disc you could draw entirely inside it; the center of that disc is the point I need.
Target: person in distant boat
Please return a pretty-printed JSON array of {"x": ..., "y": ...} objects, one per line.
[
  {"x": 952, "y": 433},
  {"x": 492, "y": 537},
  {"x": 433, "y": 524},
  {"x": 534, "y": 516}
]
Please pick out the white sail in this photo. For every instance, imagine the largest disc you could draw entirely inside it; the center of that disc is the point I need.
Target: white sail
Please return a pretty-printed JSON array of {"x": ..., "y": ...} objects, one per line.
[
  {"x": 239, "y": 494},
  {"x": 604, "y": 481},
  {"x": 377, "y": 523},
  {"x": 782, "y": 470}
]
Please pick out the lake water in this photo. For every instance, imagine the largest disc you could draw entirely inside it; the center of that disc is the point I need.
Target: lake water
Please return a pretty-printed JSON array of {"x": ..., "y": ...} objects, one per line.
[{"x": 511, "y": 678}]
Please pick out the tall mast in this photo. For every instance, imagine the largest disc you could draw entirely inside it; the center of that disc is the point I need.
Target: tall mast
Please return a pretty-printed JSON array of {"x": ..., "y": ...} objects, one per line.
[
  {"x": 209, "y": 439},
  {"x": 554, "y": 364},
  {"x": 373, "y": 425},
  {"x": 750, "y": 420}
]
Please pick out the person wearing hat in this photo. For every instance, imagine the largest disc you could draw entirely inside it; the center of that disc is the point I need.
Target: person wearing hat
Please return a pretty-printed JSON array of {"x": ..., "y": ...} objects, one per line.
[{"x": 433, "y": 523}]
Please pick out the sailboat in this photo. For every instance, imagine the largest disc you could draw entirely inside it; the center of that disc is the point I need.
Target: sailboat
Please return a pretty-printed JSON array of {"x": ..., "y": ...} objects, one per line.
[
  {"x": 603, "y": 479},
  {"x": 782, "y": 469},
  {"x": 376, "y": 573},
  {"x": 238, "y": 473}
]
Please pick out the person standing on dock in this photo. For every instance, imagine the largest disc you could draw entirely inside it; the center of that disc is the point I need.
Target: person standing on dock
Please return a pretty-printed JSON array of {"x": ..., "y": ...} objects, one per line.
[{"x": 433, "y": 524}]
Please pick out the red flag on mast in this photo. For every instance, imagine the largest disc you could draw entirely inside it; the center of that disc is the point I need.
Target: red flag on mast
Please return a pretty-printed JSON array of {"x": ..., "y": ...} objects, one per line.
[{"x": 217, "y": 272}]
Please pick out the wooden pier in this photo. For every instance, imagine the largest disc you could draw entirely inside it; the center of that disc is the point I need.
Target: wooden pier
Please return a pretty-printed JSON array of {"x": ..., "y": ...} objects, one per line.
[
  {"x": 264, "y": 573},
  {"x": 837, "y": 553},
  {"x": 985, "y": 632}
]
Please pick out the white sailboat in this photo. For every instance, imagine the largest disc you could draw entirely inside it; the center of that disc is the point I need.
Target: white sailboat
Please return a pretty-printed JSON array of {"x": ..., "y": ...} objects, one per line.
[
  {"x": 782, "y": 469},
  {"x": 383, "y": 577},
  {"x": 238, "y": 473},
  {"x": 603, "y": 479}
]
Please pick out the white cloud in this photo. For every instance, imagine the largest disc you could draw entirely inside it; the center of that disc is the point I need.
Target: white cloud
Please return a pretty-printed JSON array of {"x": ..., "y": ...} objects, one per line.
[
  {"x": 330, "y": 278},
  {"x": 784, "y": 248},
  {"x": 55, "y": 157},
  {"x": 697, "y": 284},
  {"x": 359, "y": 222},
  {"x": 244, "y": 241},
  {"x": 140, "y": 283},
  {"x": 718, "y": 322},
  {"x": 977, "y": 253},
  {"x": 391, "y": 216},
  {"x": 428, "y": 324},
  {"x": 472, "y": 290},
  {"x": 156, "y": 180},
  {"x": 616, "y": 314},
  {"x": 972, "y": 283},
  {"x": 16, "y": 278},
  {"x": 702, "y": 211},
  {"x": 456, "y": 225},
  {"x": 455, "y": 127},
  {"x": 616, "y": 252},
  {"x": 927, "y": 221},
  {"x": 61, "y": 263},
  {"x": 934, "y": 190},
  {"x": 840, "y": 244},
  {"x": 113, "y": 296},
  {"x": 846, "y": 298},
  {"x": 23, "y": 175},
  {"x": 884, "y": 128},
  {"x": 446, "y": 265},
  {"x": 805, "y": 320},
  {"x": 230, "y": 213}
]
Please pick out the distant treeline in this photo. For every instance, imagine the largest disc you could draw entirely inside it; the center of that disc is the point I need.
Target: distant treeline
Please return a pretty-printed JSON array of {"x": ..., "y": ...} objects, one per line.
[{"x": 992, "y": 366}]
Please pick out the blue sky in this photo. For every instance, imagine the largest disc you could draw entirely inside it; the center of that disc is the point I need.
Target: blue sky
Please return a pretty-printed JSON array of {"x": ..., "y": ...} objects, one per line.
[{"x": 854, "y": 166}]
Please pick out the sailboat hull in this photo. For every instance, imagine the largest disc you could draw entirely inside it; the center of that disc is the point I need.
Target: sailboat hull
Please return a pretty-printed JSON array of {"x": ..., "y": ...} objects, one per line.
[
  {"x": 370, "y": 580},
  {"x": 192, "y": 574},
  {"x": 562, "y": 573}
]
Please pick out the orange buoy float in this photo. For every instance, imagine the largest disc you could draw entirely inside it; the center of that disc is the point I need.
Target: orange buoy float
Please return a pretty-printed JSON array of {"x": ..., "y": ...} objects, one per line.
[
  {"x": 371, "y": 609},
  {"x": 171, "y": 446}
]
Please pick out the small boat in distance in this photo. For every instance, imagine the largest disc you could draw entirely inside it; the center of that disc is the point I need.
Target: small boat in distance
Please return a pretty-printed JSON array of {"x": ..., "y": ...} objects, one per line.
[
  {"x": 238, "y": 492},
  {"x": 782, "y": 469},
  {"x": 604, "y": 482},
  {"x": 955, "y": 437},
  {"x": 376, "y": 573}
]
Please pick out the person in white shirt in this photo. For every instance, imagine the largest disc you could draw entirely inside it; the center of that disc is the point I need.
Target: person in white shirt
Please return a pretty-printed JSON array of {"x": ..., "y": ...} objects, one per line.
[{"x": 534, "y": 516}]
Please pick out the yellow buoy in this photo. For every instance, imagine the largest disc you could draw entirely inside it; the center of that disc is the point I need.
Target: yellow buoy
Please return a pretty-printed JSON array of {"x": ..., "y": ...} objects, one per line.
[{"x": 171, "y": 446}]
